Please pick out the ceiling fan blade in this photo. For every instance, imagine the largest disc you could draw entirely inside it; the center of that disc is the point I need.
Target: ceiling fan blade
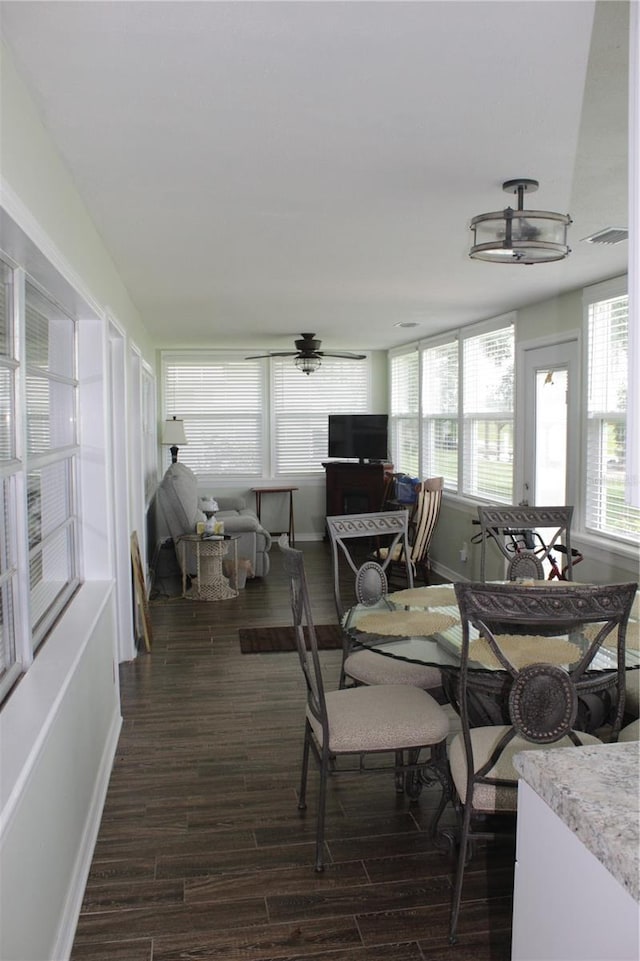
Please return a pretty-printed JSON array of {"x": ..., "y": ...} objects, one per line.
[
  {"x": 345, "y": 354},
  {"x": 283, "y": 353}
]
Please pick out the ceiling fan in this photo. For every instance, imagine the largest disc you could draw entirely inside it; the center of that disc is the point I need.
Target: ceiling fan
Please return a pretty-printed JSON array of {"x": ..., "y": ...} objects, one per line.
[{"x": 308, "y": 356}]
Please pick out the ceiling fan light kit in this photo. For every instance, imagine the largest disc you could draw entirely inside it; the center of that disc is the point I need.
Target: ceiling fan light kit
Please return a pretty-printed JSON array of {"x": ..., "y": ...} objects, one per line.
[
  {"x": 308, "y": 356},
  {"x": 520, "y": 236}
]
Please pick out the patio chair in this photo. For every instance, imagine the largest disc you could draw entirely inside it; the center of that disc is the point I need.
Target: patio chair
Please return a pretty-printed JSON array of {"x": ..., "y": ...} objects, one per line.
[
  {"x": 516, "y": 530},
  {"x": 389, "y": 719},
  {"x": 538, "y": 675},
  {"x": 350, "y": 535}
]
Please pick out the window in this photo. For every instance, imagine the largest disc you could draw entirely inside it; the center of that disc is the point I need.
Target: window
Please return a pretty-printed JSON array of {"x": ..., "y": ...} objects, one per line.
[
  {"x": 9, "y": 666},
  {"x": 51, "y": 397},
  {"x": 302, "y": 404},
  {"x": 37, "y": 467},
  {"x": 220, "y": 397},
  {"x": 452, "y": 410},
  {"x": 229, "y": 404},
  {"x": 404, "y": 412},
  {"x": 487, "y": 414},
  {"x": 149, "y": 434},
  {"x": 440, "y": 412},
  {"x": 607, "y": 376}
]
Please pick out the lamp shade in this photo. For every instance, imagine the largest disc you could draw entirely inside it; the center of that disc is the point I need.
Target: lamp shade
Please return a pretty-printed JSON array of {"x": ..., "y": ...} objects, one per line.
[
  {"x": 520, "y": 236},
  {"x": 308, "y": 364},
  {"x": 173, "y": 432}
]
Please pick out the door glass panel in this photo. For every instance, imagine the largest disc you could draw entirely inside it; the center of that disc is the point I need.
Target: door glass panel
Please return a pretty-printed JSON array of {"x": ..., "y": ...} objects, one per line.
[{"x": 551, "y": 437}]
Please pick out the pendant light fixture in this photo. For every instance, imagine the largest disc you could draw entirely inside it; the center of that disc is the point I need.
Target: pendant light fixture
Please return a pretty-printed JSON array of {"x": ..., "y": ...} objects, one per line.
[{"x": 520, "y": 236}]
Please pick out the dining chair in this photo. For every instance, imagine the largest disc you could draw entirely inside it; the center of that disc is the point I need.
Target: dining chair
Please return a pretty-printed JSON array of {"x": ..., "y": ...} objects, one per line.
[
  {"x": 408, "y": 564},
  {"x": 543, "y": 640},
  {"x": 515, "y": 529},
  {"x": 389, "y": 719},
  {"x": 350, "y": 536}
]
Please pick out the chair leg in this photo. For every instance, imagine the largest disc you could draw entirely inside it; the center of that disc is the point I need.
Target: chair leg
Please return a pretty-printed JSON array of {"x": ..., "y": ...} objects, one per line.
[
  {"x": 399, "y": 761},
  {"x": 462, "y": 860},
  {"x": 302, "y": 796},
  {"x": 322, "y": 806}
]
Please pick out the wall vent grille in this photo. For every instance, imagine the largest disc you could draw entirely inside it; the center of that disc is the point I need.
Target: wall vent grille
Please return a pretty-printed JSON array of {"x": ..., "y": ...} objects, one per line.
[{"x": 608, "y": 236}]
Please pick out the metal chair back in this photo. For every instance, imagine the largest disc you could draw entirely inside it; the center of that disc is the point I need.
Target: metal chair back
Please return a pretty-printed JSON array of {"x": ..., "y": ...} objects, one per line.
[
  {"x": 515, "y": 530},
  {"x": 348, "y": 532}
]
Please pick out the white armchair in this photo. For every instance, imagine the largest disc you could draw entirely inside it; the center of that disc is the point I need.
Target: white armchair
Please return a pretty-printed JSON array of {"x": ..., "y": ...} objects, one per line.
[{"x": 178, "y": 510}]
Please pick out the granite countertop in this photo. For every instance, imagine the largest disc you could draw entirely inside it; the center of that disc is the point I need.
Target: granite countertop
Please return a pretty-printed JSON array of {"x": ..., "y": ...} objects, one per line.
[{"x": 595, "y": 791}]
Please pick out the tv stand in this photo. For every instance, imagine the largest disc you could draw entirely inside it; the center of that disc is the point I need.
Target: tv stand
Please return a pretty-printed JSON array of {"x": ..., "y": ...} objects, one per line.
[{"x": 355, "y": 487}]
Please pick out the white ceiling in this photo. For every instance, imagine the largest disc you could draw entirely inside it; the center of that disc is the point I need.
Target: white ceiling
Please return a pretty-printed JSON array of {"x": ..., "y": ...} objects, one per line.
[{"x": 258, "y": 169}]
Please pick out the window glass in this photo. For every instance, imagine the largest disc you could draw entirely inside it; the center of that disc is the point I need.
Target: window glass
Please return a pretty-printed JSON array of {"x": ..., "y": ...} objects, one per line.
[
  {"x": 440, "y": 413},
  {"x": 8, "y": 579},
  {"x": 302, "y": 404},
  {"x": 221, "y": 400},
  {"x": 404, "y": 413},
  {"x": 7, "y": 366},
  {"x": 429, "y": 424},
  {"x": 607, "y": 335},
  {"x": 488, "y": 377}
]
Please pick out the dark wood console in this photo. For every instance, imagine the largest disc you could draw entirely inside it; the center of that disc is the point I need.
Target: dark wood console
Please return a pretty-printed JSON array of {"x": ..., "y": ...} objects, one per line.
[{"x": 354, "y": 488}]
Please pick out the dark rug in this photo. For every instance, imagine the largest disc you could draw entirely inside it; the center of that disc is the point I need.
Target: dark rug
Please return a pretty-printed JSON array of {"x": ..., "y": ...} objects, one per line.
[{"x": 265, "y": 640}]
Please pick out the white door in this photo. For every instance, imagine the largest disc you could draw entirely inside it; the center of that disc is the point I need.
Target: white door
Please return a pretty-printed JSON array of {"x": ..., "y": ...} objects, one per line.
[{"x": 550, "y": 418}]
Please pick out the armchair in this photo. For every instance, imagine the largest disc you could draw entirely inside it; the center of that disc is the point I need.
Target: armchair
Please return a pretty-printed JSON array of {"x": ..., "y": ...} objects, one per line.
[{"x": 177, "y": 511}]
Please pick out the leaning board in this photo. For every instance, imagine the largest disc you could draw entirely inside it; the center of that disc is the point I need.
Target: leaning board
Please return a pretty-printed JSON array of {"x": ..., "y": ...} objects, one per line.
[{"x": 140, "y": 591}]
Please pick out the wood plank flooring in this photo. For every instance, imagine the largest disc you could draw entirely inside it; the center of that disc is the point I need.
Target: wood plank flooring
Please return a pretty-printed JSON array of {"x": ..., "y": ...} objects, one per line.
[{"x": 202, "y": 853}]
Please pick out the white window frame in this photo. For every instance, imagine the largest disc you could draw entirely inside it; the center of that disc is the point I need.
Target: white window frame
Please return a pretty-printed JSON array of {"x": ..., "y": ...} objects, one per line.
[
  {"x": 467, "y": 453},
  {"x": 61, "y": 531},
  {"x": 595, "y": 294},
  {"x": 301, "y": 405},
  {"x": 421, "y": 418},
  {"x": 404, "y": 420},
  {"x": 278, "y": 401},
  {"x": 430, "y": 420}
]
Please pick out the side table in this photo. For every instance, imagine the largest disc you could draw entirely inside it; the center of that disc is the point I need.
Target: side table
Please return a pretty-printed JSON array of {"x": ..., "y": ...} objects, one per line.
[
  {"x": 212, "y": 584},
  {"x": 259, "y": 491}
]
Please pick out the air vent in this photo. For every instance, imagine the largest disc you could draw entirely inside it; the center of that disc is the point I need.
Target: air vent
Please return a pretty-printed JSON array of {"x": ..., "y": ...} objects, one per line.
[{"x": 608, "y": 236}]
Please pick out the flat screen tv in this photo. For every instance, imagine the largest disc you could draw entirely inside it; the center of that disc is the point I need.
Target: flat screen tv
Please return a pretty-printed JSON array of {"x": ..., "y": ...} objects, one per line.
[{"x": 358, "y": 435}]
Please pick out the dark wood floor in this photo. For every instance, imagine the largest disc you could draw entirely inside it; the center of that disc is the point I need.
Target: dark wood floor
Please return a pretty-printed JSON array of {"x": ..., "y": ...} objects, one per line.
[{"x": 202, "y": 854}]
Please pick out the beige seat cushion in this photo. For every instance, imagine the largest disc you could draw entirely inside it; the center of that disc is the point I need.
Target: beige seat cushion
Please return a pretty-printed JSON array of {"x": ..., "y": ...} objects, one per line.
[
  {"x": 388, "y": 717},
  {"x": 367, "y": 667},
  {"x": 632, "y": 693},
  {"x": 631, "y": 732},
  {"x": 488, "y": 797}
]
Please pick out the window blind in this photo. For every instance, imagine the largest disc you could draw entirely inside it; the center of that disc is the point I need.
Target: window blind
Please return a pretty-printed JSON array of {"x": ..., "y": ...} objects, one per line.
[
  {"x": 221, "y": 399},
  {"x": 52, "y": 512},
  {"x": 404, "y": 444},
  {"x": 302, "y": 404},
  {"x": 487, "y": 405},
  {"x": 440, "y": 412},
  {"x": 607, "y": 367}
]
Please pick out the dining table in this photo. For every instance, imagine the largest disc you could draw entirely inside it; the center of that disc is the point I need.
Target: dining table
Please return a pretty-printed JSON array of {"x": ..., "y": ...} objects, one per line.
[{"x": 422, "y": 625}]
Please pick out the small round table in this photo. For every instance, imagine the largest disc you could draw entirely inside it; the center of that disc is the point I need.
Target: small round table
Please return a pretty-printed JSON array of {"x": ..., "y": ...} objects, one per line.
[{"x": 212, "y": 584}]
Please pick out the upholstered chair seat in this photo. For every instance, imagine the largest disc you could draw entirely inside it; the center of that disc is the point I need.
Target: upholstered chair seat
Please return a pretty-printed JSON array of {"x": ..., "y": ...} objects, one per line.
[
  {"x": 368, "y": 667},
  {"x": 631, "y": 732},
  {"x": 491, "y": 797},
  {"x": 410, "y": 718}
]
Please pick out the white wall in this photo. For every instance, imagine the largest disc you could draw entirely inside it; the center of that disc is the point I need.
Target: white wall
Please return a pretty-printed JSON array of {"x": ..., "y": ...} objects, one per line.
[{"x": 59, "y": 728}]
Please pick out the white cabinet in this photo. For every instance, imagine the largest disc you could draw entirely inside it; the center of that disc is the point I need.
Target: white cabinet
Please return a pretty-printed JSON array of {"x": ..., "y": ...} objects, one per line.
[{"x": 567, "y": 905}]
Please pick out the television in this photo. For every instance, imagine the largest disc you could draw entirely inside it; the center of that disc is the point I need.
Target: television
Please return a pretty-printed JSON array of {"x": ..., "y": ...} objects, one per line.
[{"x": 358, "y": 435}]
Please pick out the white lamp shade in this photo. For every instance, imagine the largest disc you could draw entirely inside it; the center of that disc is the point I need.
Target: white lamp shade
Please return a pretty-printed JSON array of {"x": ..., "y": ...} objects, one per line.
[{"x": 173, "y": 432}]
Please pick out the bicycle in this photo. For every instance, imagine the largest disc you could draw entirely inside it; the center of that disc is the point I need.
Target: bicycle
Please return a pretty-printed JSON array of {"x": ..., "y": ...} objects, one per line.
[{"x": 527, "y": 542}]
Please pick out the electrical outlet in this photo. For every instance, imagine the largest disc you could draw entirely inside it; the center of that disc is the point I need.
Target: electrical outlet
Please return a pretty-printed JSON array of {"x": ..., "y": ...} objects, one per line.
[{"x": 464, "y": 553}]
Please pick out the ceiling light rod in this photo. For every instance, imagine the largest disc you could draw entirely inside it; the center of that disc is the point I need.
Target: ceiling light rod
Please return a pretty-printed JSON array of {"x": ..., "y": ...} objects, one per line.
[{"x": 520, "y": 236}]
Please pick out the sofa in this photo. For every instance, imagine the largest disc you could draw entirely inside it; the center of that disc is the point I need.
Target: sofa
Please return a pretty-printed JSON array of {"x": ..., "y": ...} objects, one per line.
[{"x": 178, "y": 510}]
